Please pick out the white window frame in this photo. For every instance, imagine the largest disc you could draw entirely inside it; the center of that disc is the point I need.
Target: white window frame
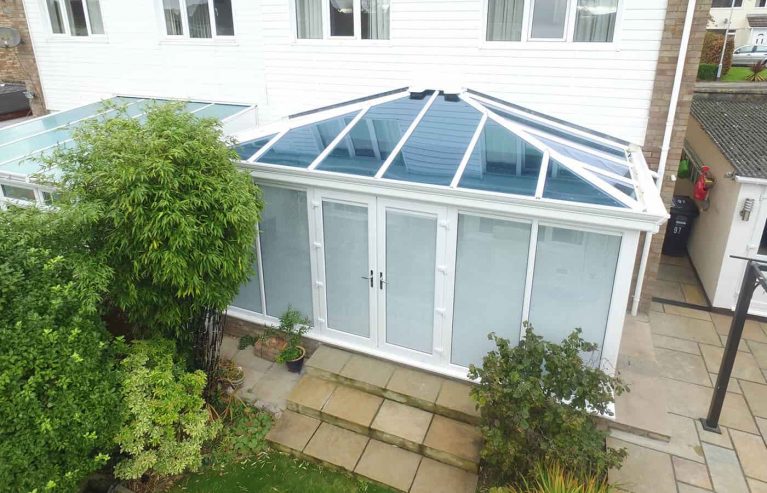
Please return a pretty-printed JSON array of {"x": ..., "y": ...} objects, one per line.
[
  {"x": 567, "y": 28},
  {"x": 65, "y": 20},
  {"x": 326, "y": 36},
  {"x": 185, "y": 24}
]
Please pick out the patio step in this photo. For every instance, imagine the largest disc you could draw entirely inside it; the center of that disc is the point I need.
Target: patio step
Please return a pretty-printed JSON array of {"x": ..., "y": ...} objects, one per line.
[{"x": 432, "y": 393}]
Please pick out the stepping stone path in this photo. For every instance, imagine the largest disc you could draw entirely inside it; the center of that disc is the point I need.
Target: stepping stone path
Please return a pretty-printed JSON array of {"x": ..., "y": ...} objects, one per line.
[{"x": 406, "y": 429}]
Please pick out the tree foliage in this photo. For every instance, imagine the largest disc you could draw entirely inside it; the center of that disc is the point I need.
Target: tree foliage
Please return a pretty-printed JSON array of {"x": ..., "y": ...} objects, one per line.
[
  {"x": 712, "y": 51},
  {"x": 174, "y": 217},
  {"x": 57, "y": 376},
  {"x": 536, "y": 400}
]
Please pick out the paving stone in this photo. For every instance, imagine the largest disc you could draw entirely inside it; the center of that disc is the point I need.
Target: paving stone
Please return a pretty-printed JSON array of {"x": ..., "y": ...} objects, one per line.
[
  {"x": 724, "y": 469},
  {"x": 745, "y": 367},
  {"x": 752, "y": 330},
  {"x": 328, "y": 359},
  {"x": 293, "y": 431},
  {"x": 761, "y": 423},
  {"x": 694, "y": 295},
  {"x": 434, "y": 476},
  {"x": 356, "y": 409},
  {"x": 675, "y": 344},
  {"x": 673, "y": 260},
  {"x": 336, "y": 446},
  {"x": 682, "y": 366},
  {"x": 370, "y": 374},
  {"x": 684, "y": 441},
  {"x": 742, "y": 345},
  {"x": 400, "y": 424},
  {"x": 246, "y": 359},
  {"x": 732, "y": 386},
  {"x": 310, "y": 395},
  {"x": 229, "y": 346},
  {"x": 633, "y": 476},
  {"x": 449, "y": 439},
  {"x": 687, "y": 312},
  {"x": 684, "y": 328},
  {"x": 686, "y": 488},
  {"x": 693, "y": 401},
  {"x": 656, "y": 306},
  {"x": 272, "y": 390},
  {"x": 759, "y": 350},
  {"x": 455, "y": 401},
  {"x": 752, "y": 454},
  {"x": 756, "y": 486},
  {"x": 388, "y": 465},
  {"x": 691, "y": 472},
  {"x": 721, "y": 439},
  {"x": 679, "y": 273},
  {"x": 756, "y": 396},
  {"x": 644, "y": 408},
  {"x": 414, "y": 387}
]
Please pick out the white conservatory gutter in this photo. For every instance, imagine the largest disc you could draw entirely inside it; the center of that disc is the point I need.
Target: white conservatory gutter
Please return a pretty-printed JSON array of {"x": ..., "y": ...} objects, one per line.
[{"x": 665, "y": 147}]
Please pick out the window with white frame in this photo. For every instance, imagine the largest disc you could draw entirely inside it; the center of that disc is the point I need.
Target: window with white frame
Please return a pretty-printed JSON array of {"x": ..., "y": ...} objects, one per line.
[
  {"x": 75, "y": 17},
  {"x": 551, "y": 20},
  {"x": 198, "y": 19},
  {"x": 353, "y": 19}
]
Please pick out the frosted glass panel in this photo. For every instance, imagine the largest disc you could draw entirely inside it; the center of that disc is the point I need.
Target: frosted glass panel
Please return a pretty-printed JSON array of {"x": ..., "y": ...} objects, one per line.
[
  {"x": 549, "y": 19},
  {"x": 411, "y": 245},
  {"x": 249, "y": 297},
  {"x": 345, "y": 228},
  {"x": 285, "y": 250},
  {"x": 573, "y": 283},
  {"x": 490, "y": 272}
]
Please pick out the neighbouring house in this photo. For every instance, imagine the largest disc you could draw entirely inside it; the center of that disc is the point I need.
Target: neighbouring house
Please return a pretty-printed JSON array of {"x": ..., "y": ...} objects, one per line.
[
  {"x": 747, "y": 20},
  {"x": 428, "y": 178},
  {"x": 21, "y": 93},
  {"x": 728, "y": 133}
]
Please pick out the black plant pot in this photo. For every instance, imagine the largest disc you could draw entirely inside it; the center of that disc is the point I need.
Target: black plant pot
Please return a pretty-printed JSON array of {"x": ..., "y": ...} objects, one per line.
[{"x": 298, "y": 363}]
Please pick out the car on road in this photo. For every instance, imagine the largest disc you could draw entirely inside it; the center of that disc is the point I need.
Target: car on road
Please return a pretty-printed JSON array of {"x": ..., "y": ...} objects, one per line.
[{"x": 749, "y": 54}]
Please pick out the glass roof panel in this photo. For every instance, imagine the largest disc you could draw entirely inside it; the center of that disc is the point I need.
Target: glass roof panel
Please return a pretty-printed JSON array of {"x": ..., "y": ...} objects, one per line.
[
  {"x": 502, "y": 162},
  {"x": 621, "y": 186},
  {"x": 587, "y": 157},
  {"x": 435, "y": 149},
  {"x": 218, "y": 111},
  {"x": 247, "y": 150},
  {"x": 301, "y": 145},
  {"x": 563, "y": 184},
  {"x": 373, "y": 138}
]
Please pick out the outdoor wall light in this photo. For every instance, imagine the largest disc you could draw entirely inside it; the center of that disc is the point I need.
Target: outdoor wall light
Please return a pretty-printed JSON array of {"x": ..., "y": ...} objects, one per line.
[
  {"x": 29, "y": 94},
  {"x": 745, "y": 212}
]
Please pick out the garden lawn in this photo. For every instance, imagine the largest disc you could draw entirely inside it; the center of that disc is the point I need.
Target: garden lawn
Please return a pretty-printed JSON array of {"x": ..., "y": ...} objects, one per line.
[{"x": 737, "y": 74}]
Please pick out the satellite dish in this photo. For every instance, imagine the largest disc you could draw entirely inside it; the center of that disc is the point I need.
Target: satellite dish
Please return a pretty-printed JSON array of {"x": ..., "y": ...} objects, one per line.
[{"x": 9, "y": 37}]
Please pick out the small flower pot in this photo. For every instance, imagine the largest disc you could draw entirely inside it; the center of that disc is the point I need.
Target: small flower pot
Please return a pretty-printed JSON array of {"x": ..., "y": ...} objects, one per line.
[
  {"x": 237, "y": 381},
  {"x": 298, "y": 363}
]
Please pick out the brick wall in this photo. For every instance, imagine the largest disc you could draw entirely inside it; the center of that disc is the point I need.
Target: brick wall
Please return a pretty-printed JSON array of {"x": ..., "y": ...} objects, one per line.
[
  {"x": 664, "y": 81},
  {"x": 18, "y": 64}
]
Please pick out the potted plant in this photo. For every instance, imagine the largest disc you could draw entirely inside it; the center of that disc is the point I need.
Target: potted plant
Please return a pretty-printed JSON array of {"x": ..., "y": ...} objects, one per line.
[
  {"x": 293, "y": 325},
  {"x": 231, "y": 374}
]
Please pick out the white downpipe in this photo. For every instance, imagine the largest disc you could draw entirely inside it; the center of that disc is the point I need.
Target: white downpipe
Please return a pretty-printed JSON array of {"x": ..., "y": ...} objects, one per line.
[{"x": 665, "y": 147}]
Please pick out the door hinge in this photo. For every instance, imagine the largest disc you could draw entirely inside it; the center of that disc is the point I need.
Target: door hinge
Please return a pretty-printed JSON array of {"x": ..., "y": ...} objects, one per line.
[
  {"x": 444, "y": 224},
  {"x": 317, "y": 244},
  {"x": 319, "y": 284},
  {"x": 442, "y": 269},
  {"x": 316, "y": 204}
]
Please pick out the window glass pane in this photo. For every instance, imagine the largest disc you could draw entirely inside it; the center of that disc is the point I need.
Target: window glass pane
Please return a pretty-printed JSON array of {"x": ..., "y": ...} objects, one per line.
[
  {"x": 375, "y": 19},
  {"x": 341, "y": 17},
  {"x": 76, "y": 15},
  {"x": 504, "y": 20},
  {"x": 573, "y": 283},
  {"x": 549, "y": 19},
  {"x": 434, "y": 150},
  {"x": 50, "y": 198},
  {"x": 246, "y": 150},
  {"x": 284, "y": 234},
  {"x": 309, "y": 19},
  {"x": 18, "y": 193},
  {"x": 726, "y": 3},
  {"x": 301, "y": 145},
  {"x": 198, "y": 17},
  {"x": 587, "y": 157},
  {"x": 94, "y": 15},
  {"x": 490, "y": 272},
  {"x": 54, "y": 11},
  {"x": 563, "y": 184},
  {"x": 502, "y": 162},
  {"x": 173, "y": 24},
  {"x": 222, "y": 10},
  {"x": 595, "y": 20},
  {"x": 249, "y": 297},
  {"x": 373, "y": 137}
]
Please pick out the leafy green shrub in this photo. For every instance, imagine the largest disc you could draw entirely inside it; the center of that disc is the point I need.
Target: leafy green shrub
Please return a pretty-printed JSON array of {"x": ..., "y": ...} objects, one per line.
[
  {"x": 536, "y": 401},
  {"x": 712, "y": 51},
  {"x": 245, "y": 342},
  {"x": 165, "y": 422},
  {"x": 293, "y": 326},
  {"x": 58, "y": 380},
  {"x": 707, "y": 71},
  {"x": 555, "y": 479},
  {"x": 757, "y": 71}
]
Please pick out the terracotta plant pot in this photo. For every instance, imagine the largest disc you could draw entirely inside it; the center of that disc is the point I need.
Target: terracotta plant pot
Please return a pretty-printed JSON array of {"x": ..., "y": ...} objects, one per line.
[
  {"x": 298, "y": 363},
  {"x": 269, "y": 348}
]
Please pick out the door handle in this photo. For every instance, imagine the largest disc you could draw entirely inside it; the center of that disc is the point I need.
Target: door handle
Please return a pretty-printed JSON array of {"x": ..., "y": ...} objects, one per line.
[
  {"x": 381, "y": 282},
  {"x": 369, "y": 278}
]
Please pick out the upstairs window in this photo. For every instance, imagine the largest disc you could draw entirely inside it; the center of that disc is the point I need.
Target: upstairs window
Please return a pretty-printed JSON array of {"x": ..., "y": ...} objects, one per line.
[
  {"x": 352, "y": 19},
  {"x": 725, "y": 4},
  {"x": 198, "y": 19},
  {"x": 75, "y": 17}
]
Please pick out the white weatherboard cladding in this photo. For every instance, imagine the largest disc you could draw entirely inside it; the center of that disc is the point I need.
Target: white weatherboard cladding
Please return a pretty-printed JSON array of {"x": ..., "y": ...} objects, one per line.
[{"x": 607, "y": 87}]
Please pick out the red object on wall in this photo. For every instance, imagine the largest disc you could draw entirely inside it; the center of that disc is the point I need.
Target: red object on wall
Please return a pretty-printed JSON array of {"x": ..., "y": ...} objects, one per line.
[{"x": 700, "y": 191}]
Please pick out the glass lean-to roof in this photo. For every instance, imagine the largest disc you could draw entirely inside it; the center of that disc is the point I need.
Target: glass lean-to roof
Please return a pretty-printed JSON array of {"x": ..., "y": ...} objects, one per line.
[{"x": 459, "y": 141}]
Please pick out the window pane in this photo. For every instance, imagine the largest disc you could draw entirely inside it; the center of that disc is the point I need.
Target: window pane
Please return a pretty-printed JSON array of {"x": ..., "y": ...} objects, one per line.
[
  {"x": 54, "y": 11},
  {"x": 504, "y": 20},
  {"x": 94, "y": 15},
  {"x": 309, "y": 19},
  {"x": 76, "y": 15},
  {"x": 375, "y": 19},
  {"x": 18, "y": 193},
  {"x": 284, "y": 238},
  {"x": 249, "y": 297},
  {"x": 173, "y": 25},
  {"x": 725, "y": 3},
  {"x": 222, "y": 10},
  {"x": 549, "y": 19},
  {"x": 490, "y": 272},
  {"x": 246, "y": 150},
  {"x": 573, "y": 283},
  {"x": 595, "y": 20},
  {"x": 587, "y": 157},
  {"x": 341, "y": 17},
  {"x": 198, "y": 17},
  {"x": 563, "y": 184}
]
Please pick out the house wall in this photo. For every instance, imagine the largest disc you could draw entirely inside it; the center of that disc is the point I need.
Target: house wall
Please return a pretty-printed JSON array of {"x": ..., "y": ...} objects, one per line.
[
  {"x": 18, "y": 64},
  {"x": 739, "y": 23},
  {"x": 607, "y": 87}
]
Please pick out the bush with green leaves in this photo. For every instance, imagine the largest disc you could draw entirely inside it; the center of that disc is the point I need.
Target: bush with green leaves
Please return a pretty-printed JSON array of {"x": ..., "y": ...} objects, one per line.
[
  {"x": 58, "y": 380},
  {"x": 173, "y": 215},
  {"x": 712, "y": 51},
  {"x": 707, "y": 71},
  {"x": 293, "y": 326},
  {"x": 537, "y": 400},
  {"x": 166, "y": 422}
]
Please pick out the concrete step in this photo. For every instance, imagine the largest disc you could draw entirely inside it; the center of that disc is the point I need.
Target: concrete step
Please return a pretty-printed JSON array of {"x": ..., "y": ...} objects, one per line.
[
  {"x": 438, "y": 437},
  {"x": 311, "y": 439},
  {"x": 427, "y": 391}
]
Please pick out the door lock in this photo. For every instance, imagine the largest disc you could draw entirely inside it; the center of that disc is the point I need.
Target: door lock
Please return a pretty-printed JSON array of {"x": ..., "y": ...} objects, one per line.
[
  {"x": 369, "y": 278},
  {"x": 381, "y": 282}
]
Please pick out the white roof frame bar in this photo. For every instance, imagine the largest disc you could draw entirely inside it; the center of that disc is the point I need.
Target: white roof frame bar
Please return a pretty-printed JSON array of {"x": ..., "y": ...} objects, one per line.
[
  {"x": 267, "y": 146},
  {"x": 338, "y": 138},
  {"x": 469, "y": 151},
  {"x": 542, "y": 175}
]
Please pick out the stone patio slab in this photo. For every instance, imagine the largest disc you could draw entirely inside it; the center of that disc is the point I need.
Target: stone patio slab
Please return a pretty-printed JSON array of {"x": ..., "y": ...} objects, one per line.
[
  {"x": 370, "y": 374},
  {"x": 310, "y": 395},
  {"x": 272, "y": 390},
  {"x": 337, "y": 446},
  {"x": 720, "y": 439},
  {"x": 742, "y": 345},
  {"x": 229, "y": 346},
  {"x": 292, "y": 431},
  {"x": 759, "y": 350},
  {"x": 668, "y": 290},
  {"x": 693, "y": 294},
  {"x": 675, "y": 344},
  {"x": 686, "y": 488},
  {"x": 434, "y": 476},
  {"x": 682, "y": 366},
  {"x": 389, "y": 465},
  {"x": 756, "y": 486},
  {"x": 684, "y": 328},
  {"x": 633, "y": 476},
  {"x": 328, "y": 359},
  {"x": 691, "y": 472},
  {"x": 752, "y": 454},
  {"x": 448, "y": 440},
  {"x": 644, "y": 408},
  {"x": 401, "y": 425},
  {"x": 687, "y": 312},
  {"x": 745, "y": 367},
  {"x": 356, "y": 409},
  {"x": 752, "y": 330},
  {"x": 455, "y": 401},
  {"x": 693, "y": 401},
  {"x": 684, "y": 440},
  {"x": 725, "y": 471},
  {"x": 733, "y": 386},
  {"x": 246, "y": 359},
  {"x": 413, "y": 387}
]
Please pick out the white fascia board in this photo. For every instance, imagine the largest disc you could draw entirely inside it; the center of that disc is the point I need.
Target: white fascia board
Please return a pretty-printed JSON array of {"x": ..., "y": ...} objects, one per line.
[
  {"x": 183, "y": 99},
  {"x": 750, "y": 180},
  {"x": 647, "y": 192}
]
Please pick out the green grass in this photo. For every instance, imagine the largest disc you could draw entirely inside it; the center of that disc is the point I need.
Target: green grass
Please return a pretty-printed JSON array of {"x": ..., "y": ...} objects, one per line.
[{"x": 737, "y": 74}]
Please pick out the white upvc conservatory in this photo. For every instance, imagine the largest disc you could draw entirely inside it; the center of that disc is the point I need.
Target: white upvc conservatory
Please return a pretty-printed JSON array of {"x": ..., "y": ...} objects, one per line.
[{"x": 410, "y": 224}]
